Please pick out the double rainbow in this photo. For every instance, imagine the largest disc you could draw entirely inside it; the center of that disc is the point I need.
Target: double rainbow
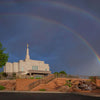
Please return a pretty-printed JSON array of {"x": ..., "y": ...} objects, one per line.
[{"x": 64, "y": 6}]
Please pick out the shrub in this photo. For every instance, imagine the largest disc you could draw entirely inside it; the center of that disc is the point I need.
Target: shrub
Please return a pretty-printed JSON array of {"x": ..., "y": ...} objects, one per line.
[
  {"x": 93, "y": 78},
  {"x": 14, "y": 74},
  {"x": 42, "y": 89},
  {"x": 38, "y": 77},
  {"x": 69, "y": 83},
  {"x": 31, "y": 77},
  {"x": 4, "y": 74},
  {"x": 2, "y": 87}
]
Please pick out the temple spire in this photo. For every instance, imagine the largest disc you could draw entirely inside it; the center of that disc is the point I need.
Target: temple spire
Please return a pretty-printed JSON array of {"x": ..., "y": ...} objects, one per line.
[
  {"x": 27, "y": 53},
  {"x": 27, "y": 45}
]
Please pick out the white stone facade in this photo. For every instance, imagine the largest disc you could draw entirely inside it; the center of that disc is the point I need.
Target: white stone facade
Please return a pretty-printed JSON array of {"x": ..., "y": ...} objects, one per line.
[{"x": 24, "y": 66}]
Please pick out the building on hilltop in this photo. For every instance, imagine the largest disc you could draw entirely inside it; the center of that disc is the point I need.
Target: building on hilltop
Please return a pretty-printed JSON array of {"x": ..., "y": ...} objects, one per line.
[{"x": 27, "y": 67}]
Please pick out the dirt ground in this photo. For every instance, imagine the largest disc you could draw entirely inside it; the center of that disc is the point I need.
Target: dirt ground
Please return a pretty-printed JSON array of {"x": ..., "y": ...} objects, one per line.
[
  {"x": 9, "y": 84},
  {"x": 54, "y": 85}
]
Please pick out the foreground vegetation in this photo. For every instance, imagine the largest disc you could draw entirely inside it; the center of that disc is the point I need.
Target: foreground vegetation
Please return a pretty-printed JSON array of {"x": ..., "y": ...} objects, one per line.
[
  {"x": 2, "y": 87},
  {"x": 68, "y": 83}
]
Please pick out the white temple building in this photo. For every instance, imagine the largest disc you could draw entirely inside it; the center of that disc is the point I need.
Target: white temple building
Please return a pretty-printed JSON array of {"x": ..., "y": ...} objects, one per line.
[{"x": 27, "y": 67}]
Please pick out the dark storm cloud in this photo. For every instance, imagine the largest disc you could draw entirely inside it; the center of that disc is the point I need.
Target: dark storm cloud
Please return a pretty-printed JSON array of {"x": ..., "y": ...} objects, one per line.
[{"x": 48, "y": 41}]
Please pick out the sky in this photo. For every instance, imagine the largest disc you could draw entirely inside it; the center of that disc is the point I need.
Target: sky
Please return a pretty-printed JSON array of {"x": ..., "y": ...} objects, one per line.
[{"x": 63, "y": 33}]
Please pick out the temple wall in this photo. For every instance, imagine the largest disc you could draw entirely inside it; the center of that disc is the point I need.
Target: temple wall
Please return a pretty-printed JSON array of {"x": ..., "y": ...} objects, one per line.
[
  {"x": 27, "y": 65},
  {"x": 21, "y": 65},
  {"x": 44, "y": 67},
  {"x": 8, "y": 67},
  {"x": 24, "y": 66},
  {"x": 15, "y": 67}
]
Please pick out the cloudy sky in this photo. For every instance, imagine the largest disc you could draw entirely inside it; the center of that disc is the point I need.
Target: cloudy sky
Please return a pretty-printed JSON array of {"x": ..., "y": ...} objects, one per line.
[{"x": 63, "y": 33}]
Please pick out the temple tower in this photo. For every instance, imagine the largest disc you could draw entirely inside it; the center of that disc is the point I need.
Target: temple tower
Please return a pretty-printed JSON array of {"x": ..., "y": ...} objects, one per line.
[{"x": 27, "y": 53}]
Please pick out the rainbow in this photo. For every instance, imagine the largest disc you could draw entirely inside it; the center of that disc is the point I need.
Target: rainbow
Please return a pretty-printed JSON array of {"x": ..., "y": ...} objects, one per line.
[
  {"x": 59, "y": 5},
  {"x": 64, "y": 6},
  {"x": 61, "y": 25},
  {"x": 73, "y": 9}
]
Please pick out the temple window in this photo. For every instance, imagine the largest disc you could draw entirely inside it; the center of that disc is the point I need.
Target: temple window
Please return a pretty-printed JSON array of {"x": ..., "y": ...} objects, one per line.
[
  {"x": 22, "y": 69},
  {"x": 34, "y": 67}
]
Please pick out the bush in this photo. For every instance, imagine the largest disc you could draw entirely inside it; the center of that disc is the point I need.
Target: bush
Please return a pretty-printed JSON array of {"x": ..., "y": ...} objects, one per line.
[
  {"x": 2, "y": 87},
  {"x": 69, "y": 83},
  {"x": 4, "y": 74},
  {"x": 93, "y": 78},
  {"x": 14, "y": 74},
  {"x": 42, "y": 89},
  {"x": 38, "y": 77},
  {"x": 31, "y": 77}
]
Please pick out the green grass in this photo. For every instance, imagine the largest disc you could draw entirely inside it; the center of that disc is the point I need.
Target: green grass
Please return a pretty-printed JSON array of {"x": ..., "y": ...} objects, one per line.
[
  {"x": 42, "y": 89},
  {"x": 2, "y": 87}
]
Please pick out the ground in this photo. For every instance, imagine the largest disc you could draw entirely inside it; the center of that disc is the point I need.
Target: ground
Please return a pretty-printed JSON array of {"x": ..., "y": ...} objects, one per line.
[{"x": 56, "y": 85}]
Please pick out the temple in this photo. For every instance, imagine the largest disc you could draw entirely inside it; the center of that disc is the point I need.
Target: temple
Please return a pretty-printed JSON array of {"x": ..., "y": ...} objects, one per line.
[{"x": 27, "y": 67}]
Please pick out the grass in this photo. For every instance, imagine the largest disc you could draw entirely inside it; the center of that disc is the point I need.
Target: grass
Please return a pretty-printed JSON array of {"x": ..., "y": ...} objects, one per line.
[
  {"x": 2, "y": 87},
  {"x": 42, "y": 89}
]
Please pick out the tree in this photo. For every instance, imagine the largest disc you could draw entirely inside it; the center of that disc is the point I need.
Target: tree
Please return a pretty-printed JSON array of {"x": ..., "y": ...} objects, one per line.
[
  {"x": 60, "y": 74},
  {"x": 3, "y": 56},
  {"x": 56, "y": 74},
  {"x": 63, "y": 72}
]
